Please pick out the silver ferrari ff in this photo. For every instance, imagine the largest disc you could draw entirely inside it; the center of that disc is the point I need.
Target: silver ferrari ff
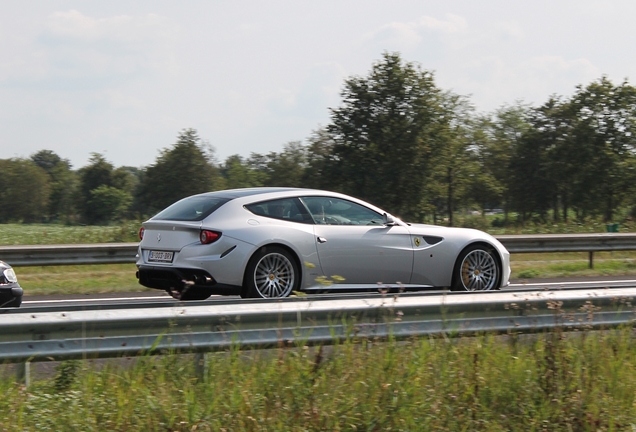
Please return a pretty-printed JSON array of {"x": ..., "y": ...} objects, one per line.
[{"x": 271, "y": 242}]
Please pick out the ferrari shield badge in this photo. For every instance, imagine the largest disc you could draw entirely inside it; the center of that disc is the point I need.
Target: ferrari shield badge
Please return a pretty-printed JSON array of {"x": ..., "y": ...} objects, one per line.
[{"x": 417, "y": 241}]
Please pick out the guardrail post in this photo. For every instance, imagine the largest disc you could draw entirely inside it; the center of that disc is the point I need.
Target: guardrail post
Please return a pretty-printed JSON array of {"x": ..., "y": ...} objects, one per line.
[
  {"x": 591, "y": 259},
  {"x": 23, "y": 373},
  {"x": 200, "y": 366}
]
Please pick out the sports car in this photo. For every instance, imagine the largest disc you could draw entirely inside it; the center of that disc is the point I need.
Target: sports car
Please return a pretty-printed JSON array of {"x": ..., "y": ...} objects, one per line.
[
  {"x": 272, "y": 242},
  {"x": 10, "y": 291}
]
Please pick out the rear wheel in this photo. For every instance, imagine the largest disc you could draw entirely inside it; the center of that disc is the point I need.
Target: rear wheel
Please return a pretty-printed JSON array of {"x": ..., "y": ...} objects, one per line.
[
  {"x": 476, "y": 269},
  {"x": 271, "y": 273}
]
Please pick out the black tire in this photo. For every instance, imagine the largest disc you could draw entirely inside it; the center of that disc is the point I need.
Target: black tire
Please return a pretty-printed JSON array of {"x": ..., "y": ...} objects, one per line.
[
  {"x": 191, "y": 294},
  {"x": 477, "y": 269},
  {"x": 272, "y": 272}
]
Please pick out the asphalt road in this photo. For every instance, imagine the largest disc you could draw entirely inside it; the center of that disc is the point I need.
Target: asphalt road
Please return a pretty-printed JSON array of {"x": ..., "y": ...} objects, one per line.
[{"x": 156, "y": 296}]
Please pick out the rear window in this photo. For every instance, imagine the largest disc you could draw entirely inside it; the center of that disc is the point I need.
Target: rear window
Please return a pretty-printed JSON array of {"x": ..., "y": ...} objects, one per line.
[{"x": 195, "y": 208}]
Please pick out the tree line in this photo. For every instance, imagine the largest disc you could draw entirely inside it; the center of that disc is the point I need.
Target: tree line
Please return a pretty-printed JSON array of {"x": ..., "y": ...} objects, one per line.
[{"x": 396, "y": 140}]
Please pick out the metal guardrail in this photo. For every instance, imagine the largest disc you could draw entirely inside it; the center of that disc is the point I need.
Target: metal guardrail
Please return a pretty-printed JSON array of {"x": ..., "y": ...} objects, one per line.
[
  {"x": 73, "y": 254},
  {"x": 26, "y": 337},
  {"x": 117, "y": 253},
  {"x": 596, "y": 242}
]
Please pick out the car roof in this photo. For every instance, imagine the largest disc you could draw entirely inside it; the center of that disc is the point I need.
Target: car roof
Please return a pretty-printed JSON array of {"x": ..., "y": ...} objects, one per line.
[{"x": 245, "y": 192}]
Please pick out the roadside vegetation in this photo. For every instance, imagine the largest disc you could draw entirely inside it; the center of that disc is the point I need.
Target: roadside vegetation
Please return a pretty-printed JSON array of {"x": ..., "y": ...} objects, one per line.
[
  {"x": 45, "y": 234},
  {"x": 581, "y": 381}
]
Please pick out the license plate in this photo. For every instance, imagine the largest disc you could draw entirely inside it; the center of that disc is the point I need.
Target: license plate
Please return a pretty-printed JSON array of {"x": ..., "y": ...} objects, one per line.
[{"x": 160, "y": 256}]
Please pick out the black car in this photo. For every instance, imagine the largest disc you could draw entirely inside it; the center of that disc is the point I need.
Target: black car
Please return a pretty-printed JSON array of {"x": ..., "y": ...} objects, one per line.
[{"x": 10, "y": 291}]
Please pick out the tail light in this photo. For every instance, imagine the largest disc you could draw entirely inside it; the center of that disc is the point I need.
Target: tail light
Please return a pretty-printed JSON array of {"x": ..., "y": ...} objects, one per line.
[
  {"x": 141, "y": 233},
  {"x": 208, "y": 236}
]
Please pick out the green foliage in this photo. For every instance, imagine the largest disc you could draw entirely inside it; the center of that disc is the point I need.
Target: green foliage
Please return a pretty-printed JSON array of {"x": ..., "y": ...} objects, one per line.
[
  {"x": 496, "y": 137},
  {"x": 528, "y": 274},
  {"x": 455, "y": 165},
  {"x": 63, "y": 183},
  {"x": 287, "y": 167},
  {"x": 396, "y": 140},
  {"x": 108, "y": 203},
  {"x": 24, "y": 191},
  {"x": 187, "y": 168},
  {"x": 66, "y": 375},
  {"x": 604, "y": 135},
  {"x": 558, "y": 382},
  {"x": 35, "y": 234},
  {"x": 105, "y": 193},
  {"x": 239, "y": 174},
  {"x": 385, "y": 134},
  {"x": 319, "y": 159}
]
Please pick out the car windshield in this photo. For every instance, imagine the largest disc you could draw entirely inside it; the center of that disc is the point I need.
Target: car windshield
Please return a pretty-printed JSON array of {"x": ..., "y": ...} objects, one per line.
[{"x": 195, "y": 208}]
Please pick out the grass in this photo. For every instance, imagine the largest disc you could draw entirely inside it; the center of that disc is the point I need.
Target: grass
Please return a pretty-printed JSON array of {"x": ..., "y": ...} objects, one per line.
[
  {"x": 79, "y": 279},
  {"x": 552, "y": 382},
  {"x": 34, "y": 234},
  {"x": 572, "y": 264}
]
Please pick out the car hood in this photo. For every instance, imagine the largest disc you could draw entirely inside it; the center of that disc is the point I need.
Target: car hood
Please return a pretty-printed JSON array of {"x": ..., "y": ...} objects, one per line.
[{"x": 466, "y": 235}]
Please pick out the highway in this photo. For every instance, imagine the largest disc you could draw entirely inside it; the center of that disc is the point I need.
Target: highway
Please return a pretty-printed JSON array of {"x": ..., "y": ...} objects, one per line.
[{"x": 156, "y": 298}]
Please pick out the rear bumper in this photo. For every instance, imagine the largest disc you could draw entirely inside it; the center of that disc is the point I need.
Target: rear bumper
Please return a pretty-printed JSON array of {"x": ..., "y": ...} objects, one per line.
[
  {"x": 170, "y": 278},
  {"x": 11, "y": 295}
]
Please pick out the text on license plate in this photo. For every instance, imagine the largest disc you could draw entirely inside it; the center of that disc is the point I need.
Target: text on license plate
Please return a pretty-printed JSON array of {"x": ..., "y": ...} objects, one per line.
[{"x": 160, "y": 256}]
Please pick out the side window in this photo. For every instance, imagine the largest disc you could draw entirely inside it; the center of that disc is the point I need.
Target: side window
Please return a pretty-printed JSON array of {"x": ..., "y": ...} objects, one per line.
[
  {"x": 284, "y": 209},
  {"x": 336, "y": 211}
]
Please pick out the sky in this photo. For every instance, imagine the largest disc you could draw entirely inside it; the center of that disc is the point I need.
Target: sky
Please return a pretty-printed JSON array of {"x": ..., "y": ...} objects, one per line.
[{"x": 123, "y": 77}]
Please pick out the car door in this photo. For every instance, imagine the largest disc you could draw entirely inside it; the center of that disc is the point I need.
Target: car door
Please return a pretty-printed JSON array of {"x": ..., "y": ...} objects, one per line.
[{"x": 353, "y": 243}]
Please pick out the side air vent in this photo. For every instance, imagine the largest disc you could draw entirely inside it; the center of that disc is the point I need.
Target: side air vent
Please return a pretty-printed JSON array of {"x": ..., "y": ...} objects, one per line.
[
  {"x": 432, "y": 239},
  {"x": 228, "y": 251}
]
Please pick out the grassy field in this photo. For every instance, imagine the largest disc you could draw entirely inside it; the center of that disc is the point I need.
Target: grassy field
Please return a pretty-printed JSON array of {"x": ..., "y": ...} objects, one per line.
[
  {"x": 84, "y": 279},
  {"x": 33, "y": 234},
  {"x": 582, "y": 381},
  {"x": 121, "y": 277}
]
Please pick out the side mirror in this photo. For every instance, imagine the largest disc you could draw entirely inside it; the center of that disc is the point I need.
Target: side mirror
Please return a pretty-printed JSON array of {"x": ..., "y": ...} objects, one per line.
[{"x": 388, "y": 220}]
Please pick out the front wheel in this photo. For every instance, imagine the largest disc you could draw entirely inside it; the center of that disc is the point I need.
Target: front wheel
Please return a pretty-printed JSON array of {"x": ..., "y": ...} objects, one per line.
[
  {"x": 271, "y": 273},
  {"x": 476, "y": 269}
]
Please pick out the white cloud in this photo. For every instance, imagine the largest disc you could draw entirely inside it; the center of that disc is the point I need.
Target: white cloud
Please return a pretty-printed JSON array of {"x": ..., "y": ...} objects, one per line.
[
  {"x": 126, "y": 76},
  {"x": 407, "y": 36},
  {"x": 73, "y": 51},
  {"x": 453, "y": 24},
  {"x": 124, "y": 28},
  {"x": 495, "y": 80}
]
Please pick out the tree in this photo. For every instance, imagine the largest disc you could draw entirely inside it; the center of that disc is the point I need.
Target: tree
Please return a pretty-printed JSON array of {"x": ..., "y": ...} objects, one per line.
[
  {"x": 532, "y": 189},
  {"x": 238, "y": 173},
  {"x": 287, "y": 167},
  {"x": 109, "y": 203},
  {"x": 604, "y": 136},
  {"x": 24, "y": 191},
  {"x": 187, "y": 168},
  {"x": 497, "y": 136},
  {"x": 103, "y": 191},
  {"x": 385, "y": 133},
  {"x": 455, "y": 161},
  {"x": 319, "y": 158},
  {"x": 552, "y": 131},
  {"x": 62, "y": 181}
]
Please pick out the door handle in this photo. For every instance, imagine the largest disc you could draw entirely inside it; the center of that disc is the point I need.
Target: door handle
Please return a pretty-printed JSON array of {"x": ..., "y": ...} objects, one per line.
[{"x": 322, "y": 240}]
